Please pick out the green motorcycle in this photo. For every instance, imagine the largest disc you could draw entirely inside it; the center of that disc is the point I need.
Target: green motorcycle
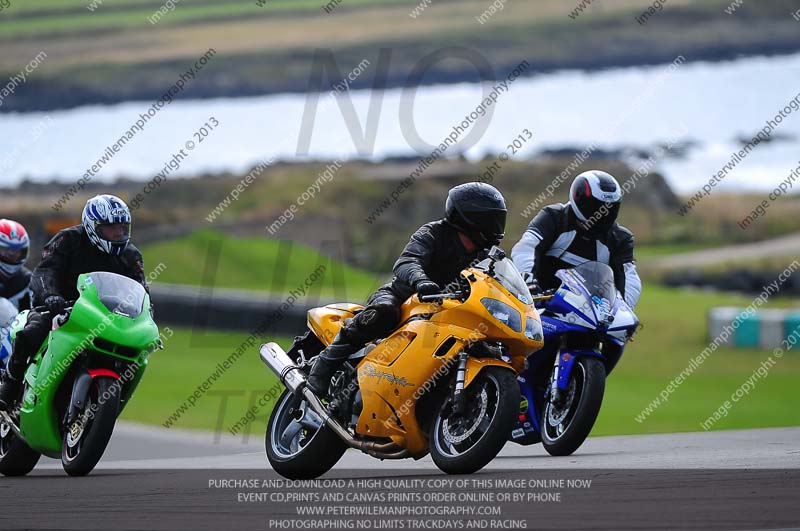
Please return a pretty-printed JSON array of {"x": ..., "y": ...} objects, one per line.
[{"x": 81, "y": 378}]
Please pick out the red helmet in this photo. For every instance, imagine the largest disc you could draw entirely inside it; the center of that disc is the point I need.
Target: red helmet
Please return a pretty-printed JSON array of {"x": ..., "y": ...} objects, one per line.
[{"x": 14, "y": 244}]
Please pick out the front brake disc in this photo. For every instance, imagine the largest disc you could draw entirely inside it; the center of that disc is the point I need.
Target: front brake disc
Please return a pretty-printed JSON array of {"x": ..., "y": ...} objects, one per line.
[{"x": 457, "y": 439}]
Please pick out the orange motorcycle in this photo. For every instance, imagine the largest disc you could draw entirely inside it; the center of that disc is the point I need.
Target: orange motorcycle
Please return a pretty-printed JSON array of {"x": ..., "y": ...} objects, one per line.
[{"x": 444, "y": 382}]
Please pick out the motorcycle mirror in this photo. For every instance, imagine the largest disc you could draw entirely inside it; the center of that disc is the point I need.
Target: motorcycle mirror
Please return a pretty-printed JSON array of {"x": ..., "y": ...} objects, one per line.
[{"x": 496, "y": 253}]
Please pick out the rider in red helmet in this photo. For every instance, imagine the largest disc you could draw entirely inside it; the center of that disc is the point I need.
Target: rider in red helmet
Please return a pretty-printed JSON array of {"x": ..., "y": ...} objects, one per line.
[{"x": 14, "y": 276}]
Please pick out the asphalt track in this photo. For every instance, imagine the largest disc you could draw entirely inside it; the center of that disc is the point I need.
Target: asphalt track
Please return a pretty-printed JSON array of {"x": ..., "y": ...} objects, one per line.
[
  {"x": 151, "y": 478},
  {"x": 782, "y": 246},
  {"x": 142, "y": 447}
]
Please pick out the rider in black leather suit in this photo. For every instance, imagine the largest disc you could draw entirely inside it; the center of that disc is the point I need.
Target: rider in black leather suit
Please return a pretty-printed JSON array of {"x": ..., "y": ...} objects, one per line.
[{"x": 475, "y": 217}]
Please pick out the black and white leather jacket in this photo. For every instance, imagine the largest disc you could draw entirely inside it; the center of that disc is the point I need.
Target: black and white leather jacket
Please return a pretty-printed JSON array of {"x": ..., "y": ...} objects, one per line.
[{"x": 553, "y": 241}]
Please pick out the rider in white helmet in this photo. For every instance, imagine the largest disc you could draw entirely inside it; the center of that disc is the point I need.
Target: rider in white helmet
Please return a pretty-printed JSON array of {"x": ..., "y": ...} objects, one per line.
[{"x": 585, "y": 229}]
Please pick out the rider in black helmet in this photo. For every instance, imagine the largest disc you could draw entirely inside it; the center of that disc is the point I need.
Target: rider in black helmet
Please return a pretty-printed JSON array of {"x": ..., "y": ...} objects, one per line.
[
  {"x": 479, "y": 211},
  {"x": 475, "y": 219}
]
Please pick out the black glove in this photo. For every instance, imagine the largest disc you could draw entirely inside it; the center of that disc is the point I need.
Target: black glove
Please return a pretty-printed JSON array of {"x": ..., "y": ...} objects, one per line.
[
  {"x": 427, "y": 287},
  {"x": 55, "y": 304}
]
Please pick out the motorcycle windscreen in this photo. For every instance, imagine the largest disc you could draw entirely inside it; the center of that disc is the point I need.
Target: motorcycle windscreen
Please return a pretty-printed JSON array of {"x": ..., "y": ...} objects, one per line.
[
  {"x": 121, "y": 295},
  {"x": 597, "y": 278},
  {"x": 509, "y": 276}
]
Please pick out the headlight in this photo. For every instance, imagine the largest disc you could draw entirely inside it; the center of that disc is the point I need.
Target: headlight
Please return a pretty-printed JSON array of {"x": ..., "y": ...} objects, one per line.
[
  {"x": 503, "y": 313},
  {"x": 533, "y": 329}
]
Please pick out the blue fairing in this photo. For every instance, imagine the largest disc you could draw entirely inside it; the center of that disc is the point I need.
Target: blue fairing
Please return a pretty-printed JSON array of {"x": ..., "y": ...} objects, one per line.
[
  {"x": 585, "y": 303},
  {"x": 533, "y": 404},
  {"x": 566, "y": 361},
  {"x": 5, "y": 351},
  {"x": 554, "y": 327},
  {"x": 5, "y": 347}
]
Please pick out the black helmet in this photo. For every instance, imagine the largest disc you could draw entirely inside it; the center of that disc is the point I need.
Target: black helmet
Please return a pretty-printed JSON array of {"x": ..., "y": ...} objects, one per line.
[
  {"x": 479, "y": 211},
  {"x": 595, "y": 198}
]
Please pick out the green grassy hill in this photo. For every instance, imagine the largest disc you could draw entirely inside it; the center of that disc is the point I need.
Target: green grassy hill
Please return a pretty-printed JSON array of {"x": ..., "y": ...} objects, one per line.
[
  {"x": 337, "y": 221},
  {"x": 207, "y": 258}
]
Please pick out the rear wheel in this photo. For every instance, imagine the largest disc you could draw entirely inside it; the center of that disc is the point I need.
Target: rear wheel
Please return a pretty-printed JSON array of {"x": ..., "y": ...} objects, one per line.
[
  {"x": 86, "y": 439},
  {"x": 463, "y": 444},
  {"x": 299, "y": 445},
  {"x": 16, "y": 457},
  {"x": 565, "y": 427}
]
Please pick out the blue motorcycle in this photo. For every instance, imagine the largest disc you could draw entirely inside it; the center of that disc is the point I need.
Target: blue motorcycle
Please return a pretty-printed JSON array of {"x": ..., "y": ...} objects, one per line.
[
  {"x": 586, "y": 325},
  {"x": 8, "y": 312}
]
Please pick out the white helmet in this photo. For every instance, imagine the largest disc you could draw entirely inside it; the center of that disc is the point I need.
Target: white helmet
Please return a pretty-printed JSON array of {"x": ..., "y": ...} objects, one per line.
[
  {"x": 595, "y": 198},
  {"x": 107, "y": 221}
]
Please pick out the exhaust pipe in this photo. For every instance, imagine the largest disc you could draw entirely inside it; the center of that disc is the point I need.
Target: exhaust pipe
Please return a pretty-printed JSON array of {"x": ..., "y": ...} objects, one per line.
[
  {"x": 293, "y": 378},
  {"x": 282, "y": 365}
]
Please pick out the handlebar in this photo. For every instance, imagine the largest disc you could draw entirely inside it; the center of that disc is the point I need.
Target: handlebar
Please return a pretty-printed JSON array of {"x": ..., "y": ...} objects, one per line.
[
  {"x": 43, "y": 309},
  {"x": 544, "y": 295},
  {"x": 439, "y": 297}
]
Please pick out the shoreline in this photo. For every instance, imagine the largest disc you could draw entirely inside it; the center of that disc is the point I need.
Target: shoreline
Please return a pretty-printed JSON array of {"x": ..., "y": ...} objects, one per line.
[{"x": 54, "y": 95}]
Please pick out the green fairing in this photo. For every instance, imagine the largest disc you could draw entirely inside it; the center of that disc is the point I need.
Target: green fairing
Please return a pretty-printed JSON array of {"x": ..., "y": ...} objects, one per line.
[{"x": 88, "y": 321}]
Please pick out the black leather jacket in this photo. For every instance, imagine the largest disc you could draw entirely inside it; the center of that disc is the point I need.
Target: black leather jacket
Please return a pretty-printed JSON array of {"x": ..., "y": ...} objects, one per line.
[
  {"x": 69, "y": 254},
  {"x": 434, "y": 252},
  {"x": 16, "y": 289}
]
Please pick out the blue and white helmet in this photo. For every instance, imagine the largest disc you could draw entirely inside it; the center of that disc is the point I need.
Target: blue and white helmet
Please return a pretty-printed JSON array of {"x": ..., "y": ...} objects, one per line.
[{"x": 107, "y": 220}]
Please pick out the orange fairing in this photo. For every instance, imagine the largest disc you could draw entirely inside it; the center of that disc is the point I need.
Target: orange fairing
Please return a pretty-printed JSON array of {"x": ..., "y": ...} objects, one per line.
[
  {"x": 326, "y": 322},
  {"x": 424, "y": 352},
  {"x": 394, "y": 375},
  {"x": 472, "y": 314}
]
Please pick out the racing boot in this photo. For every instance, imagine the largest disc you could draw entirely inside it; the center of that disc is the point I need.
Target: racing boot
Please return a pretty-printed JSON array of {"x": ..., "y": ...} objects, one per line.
[
  {"x": 329, "y": 360},
  {"x": 12, "y": 379},
  {"x": 9, "y": 392}
]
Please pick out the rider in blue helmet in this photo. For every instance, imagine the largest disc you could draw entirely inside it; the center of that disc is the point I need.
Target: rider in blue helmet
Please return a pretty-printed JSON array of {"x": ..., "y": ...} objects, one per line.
[{"x": 100, "y": 243}]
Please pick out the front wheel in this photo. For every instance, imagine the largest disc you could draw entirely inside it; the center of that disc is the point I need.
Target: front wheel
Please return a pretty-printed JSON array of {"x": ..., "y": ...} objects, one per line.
[
  {"x": 16, "y": 457},
  {"x": 86, "y": 438},
  {"x": 299, "y": 445},
  {"x": 566, "y": 426},
  {"x": 465, "y": 443}
]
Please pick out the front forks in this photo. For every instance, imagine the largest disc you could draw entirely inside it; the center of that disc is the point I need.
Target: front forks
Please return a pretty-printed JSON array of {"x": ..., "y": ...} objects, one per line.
[
  {"x": 556, "y": 394},
  {"x": 461, "y": 376},
  {"x": 562, "y": 369}
]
